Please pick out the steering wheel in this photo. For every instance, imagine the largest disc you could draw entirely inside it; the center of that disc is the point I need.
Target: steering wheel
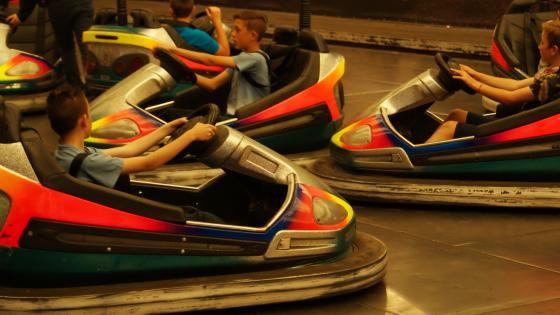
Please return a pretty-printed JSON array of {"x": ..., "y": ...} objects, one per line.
[
  {"x": 176, "y": 68},
  {"x": 202, "y": 21},
  {"x": 445, "y": 64},
  {"x": 206, "y": 114}
]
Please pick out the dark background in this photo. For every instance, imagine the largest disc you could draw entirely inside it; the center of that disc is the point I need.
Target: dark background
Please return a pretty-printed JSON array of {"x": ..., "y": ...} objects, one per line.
[{"x": 479, "y": 13}]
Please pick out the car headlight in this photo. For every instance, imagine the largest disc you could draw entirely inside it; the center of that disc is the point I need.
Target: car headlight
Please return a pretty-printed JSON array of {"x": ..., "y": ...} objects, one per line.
[
  {"x": 23, "y": 68},
  {"x": 119, "y": 129},
  {"x": 358, "y": 136},
  {"x": 327, "y": 212},
  {"x": 5, "y": 205}
]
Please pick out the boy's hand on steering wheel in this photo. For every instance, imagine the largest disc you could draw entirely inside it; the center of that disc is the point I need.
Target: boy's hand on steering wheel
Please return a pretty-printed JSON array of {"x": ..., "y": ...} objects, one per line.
[{"x": 202, "y": 132}]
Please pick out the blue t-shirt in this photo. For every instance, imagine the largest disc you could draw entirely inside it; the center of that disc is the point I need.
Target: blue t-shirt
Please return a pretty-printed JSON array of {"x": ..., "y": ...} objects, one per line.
[
  {"x": 97, "y": 167},
  {"x": 198, "y": 39},
  {"x": 242, "y": 92}
]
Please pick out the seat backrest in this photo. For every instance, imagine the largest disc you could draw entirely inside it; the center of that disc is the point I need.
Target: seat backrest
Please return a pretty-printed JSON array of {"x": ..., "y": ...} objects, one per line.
[
  {"x": 285, "y": 35},
  {"x": 298, "y": 72},
  {"x": 105, "y": 16},
  {"x": 313, "y": 41},
  {"x": 144, "y": 18},
  {"x": 520, "y": 119},
  {"x": 51, "y": 175}
]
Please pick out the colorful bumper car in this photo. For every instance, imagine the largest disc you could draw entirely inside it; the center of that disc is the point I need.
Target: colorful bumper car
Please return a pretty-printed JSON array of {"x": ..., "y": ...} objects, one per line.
[
  {"x": 116, "y": 49},
  {"x": 71, "y": 245},
  {"x": 302, "y": 111},
  {"x": 515, "y": 52},
  {"x": 25, "y": 79},
  {"x": 511, "y": 162}
]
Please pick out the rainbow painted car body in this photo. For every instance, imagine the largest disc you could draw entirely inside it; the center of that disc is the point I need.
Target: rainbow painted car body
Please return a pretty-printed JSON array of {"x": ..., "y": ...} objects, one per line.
[
  {"x": 389, "y": 139},
  {"x": 274, "y": 212},
  {"x": 70, "y": 245},
  {"x": 302, "y": 111}
]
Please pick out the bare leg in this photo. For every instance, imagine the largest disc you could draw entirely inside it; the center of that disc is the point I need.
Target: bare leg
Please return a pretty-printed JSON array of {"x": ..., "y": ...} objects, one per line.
[
  {"x": 457, "y": 115},
  {"x": 445, "y": 131}
]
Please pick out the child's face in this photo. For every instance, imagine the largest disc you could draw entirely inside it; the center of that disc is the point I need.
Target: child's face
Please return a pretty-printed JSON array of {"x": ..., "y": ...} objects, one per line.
[
  {"x": 547, "y": 52},
  {"x": 241, "y": 36}
]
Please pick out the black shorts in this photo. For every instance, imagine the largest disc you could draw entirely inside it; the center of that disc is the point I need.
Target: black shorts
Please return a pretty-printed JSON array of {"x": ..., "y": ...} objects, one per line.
[{"x": 470, "y": 127}]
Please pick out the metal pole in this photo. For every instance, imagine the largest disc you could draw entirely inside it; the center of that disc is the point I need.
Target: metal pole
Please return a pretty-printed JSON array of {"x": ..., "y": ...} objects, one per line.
[
  {"x": 304, "y": 14},
  {"x": 122, "y": 13}
]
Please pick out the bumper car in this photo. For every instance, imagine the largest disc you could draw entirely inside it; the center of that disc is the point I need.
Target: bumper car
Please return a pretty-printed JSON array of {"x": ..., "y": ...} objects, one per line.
[
  {"x": 116, "y": 49},
  {"x": 76, "y": 245},
  {"x": 25, "y": 79},
  {"x": 510, "y": 162},
  {"x": 515, "y": 52},
  {"x": 302, "y": 111}
]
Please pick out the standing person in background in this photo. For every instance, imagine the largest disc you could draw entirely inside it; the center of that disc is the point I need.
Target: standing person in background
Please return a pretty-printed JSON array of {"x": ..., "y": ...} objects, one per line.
[{"x": 69, "y": 19}]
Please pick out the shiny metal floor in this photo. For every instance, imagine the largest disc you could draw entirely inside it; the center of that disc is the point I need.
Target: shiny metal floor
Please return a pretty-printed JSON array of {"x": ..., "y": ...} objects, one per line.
[{"x": 442, "y": 260}]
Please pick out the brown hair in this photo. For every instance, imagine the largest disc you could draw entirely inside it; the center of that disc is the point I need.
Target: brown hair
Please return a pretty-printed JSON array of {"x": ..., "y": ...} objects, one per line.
[
  {"x": 65, "y": 105},
  {"x": 181, "y": 8},
  {"x": 255, "y": 22},
  {"x": 552, "y": 32}
]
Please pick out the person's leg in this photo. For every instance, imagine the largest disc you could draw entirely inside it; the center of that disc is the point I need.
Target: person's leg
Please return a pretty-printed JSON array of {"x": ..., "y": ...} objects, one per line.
[
  {"x": 81, "y": 23},
  {"x": 478, "y": 119},
  {"x": 61, "y": 27},
  {"x": 458, "y": 115},
  {"x": 445, "y": 131},
  {"x": 69, "y": 21}
]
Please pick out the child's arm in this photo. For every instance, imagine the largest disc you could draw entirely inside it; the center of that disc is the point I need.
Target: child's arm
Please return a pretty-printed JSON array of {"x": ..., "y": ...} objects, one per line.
[
  {"x": 207, "y": 59},
  {"x": 144, "y": 143},
  {"x": 215, "y": 14},
  {"x": 211, "y": 84},
  {"x": 163, "y": 155},
  {"x": 501, "y": 83},
  {"x": 504, "y": 96}
]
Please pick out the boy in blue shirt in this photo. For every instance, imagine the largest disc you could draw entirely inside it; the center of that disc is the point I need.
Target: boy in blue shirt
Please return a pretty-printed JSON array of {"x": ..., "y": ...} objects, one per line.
[
  {"x": 69, "y": 115},
  {"x": 248, "y": 71},
  {"x": 182, "y": 11}
]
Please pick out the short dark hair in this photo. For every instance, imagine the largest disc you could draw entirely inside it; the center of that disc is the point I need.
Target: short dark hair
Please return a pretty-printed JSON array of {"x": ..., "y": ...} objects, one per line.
[
  {"x": 255, "y": 21},
  {"x": 181, "y": 8},
  {"x": 64, "y": 106}
]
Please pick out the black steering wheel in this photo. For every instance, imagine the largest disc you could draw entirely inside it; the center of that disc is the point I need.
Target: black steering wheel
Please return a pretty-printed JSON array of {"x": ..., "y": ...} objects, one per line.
[
  {"x": 202, "y": 21},
  {"x": 176, "y": 68},
  {"x": 206, "y": 114},
  {"x": 445, "y": 64}
]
